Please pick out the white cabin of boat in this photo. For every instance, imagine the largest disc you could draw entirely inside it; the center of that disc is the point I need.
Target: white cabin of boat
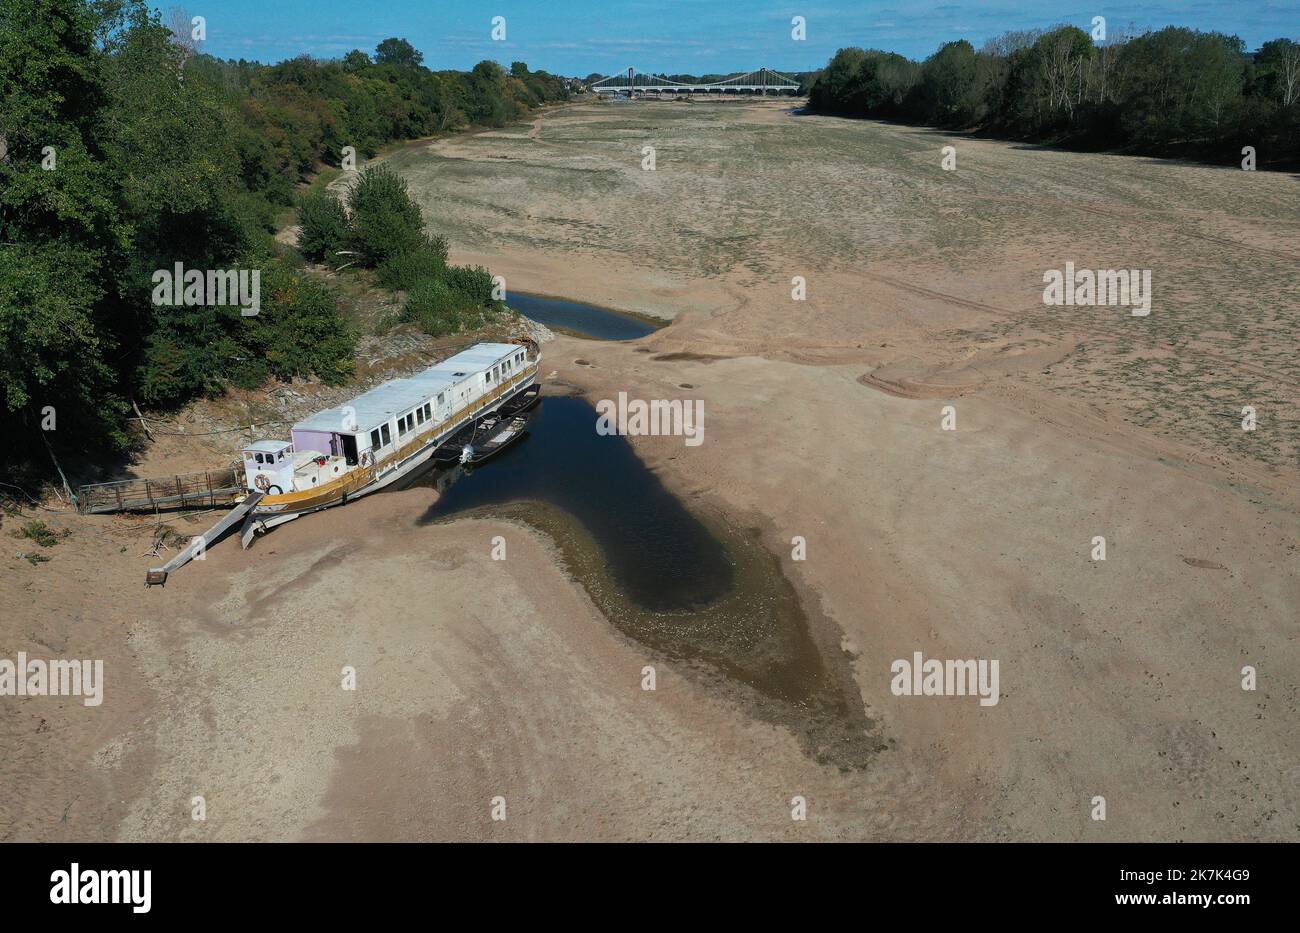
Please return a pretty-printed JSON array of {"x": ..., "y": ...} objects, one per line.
[{"x": 370, "y": 427}]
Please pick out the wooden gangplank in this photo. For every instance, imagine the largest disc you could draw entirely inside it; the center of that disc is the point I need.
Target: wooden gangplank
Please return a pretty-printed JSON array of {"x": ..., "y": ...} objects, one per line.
[
  {"x": 180, "y": 490},
  {"x": 199, "y": 545}
]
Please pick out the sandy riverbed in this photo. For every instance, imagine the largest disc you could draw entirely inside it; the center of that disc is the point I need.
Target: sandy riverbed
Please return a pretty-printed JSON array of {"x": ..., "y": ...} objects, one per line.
[{"x": 481, "y": 678}]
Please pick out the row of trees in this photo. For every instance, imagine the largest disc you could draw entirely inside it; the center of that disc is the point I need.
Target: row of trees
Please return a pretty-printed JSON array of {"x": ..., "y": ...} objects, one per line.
[
  {"x": 124, "y": 152},
  {"x": 304, "y": 111},
  {"x": 1172, "y": 92}
]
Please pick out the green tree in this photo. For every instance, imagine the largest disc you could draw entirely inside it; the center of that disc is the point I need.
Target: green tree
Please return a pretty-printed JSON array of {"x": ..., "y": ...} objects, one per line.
[
  {"x": 436, "y": 308},
  {"x": 1183, "y": 86},
  {"x": 947, "y": 85},
  {"x": 299, "y": 331},
  {"x": 397, "y": 52},
  {"x": 472, "y": 282},
  {"x": 385, "y": 221},
  {"x": 356, "y": 60},
  {"x": 324, "y": 225},
  {"x": 60, "y": 232},
  {"x": 1280, "y": 62},
  {"x": 407, "y": 269},
  {"x": 836, "y": 87}
]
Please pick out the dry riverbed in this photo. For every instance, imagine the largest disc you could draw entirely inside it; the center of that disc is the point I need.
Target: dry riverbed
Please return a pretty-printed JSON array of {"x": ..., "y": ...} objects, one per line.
[{"x": 479, "y": 679}]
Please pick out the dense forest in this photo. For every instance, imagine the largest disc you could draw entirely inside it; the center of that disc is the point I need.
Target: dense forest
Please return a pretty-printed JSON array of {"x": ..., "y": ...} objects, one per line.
[
  {"x": 123, "y": 152},
  {"x": 1174, "y": 92}
]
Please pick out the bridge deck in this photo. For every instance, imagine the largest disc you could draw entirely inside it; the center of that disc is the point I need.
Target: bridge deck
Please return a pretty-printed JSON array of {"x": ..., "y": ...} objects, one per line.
[
  {"x": 692, "y": 89},
  {"x": 761, "y": 80}
]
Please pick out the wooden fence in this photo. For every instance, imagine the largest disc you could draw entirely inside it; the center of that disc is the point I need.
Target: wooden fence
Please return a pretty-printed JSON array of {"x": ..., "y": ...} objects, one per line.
[{"x": 211, "y": 488}]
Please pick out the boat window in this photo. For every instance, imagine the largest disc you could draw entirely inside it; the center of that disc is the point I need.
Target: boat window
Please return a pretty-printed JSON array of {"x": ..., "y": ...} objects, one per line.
[
  {"x": 428, "y": 411},
  {"x": 258, "y": 458},
  {"x": 374, "y": 438},
  {"x": 440, "y": 395},
  {"x": 419, "y": 415},
  {"x": 387, "y": 434}
]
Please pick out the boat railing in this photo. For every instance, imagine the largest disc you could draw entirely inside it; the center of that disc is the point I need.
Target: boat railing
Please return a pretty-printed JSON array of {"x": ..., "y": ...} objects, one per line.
[{"x": 417, "y": 443}]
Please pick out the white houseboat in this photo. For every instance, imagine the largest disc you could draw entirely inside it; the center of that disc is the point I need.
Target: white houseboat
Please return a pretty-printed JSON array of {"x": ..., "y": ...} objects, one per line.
[
  {"x": 374, "y": 440},
  {"x": 382, "y": 435},
  {"x": 377, "y": 438}
]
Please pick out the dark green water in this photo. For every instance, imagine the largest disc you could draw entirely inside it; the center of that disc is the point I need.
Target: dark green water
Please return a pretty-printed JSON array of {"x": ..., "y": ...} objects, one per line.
[
  {"x": 658, "y": 553},
  {"x": 699, "y": 591},
  {"x": 583, "y": 320}
]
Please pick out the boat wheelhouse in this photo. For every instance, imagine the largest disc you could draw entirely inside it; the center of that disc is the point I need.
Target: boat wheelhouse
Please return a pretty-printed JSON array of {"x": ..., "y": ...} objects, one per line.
[{"x": 383, "y": 434}]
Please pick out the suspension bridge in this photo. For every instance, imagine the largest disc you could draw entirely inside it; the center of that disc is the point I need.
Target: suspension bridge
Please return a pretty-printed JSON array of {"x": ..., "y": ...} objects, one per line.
[{"x": 630, "y": 83}]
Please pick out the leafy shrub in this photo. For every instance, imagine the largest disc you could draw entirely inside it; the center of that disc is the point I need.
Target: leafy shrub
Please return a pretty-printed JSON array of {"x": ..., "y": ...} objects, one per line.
[
  {"x": 299, "y": 331},
  {"x": 41, "y": 533},
  {"x": 473, "y": 282},
  {"x": 324, "y": 226},
  {"x": 385, "y": 221},
  {"x": 407, "y": 269},
  {"x": 436, "y": 308}
]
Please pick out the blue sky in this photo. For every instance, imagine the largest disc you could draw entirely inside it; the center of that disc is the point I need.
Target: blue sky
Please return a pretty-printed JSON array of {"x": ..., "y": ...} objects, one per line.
[{"x": 577, "y": 37}]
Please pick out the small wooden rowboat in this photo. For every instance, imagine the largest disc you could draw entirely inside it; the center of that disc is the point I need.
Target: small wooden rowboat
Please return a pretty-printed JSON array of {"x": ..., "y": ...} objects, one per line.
[{"x": 497, "y": 437}]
